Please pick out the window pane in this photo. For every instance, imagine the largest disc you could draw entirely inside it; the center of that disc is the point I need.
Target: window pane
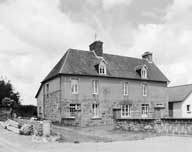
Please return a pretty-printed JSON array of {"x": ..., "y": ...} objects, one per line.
[
  {"x": 95, "y": 110},
  {"x": 188, "y": 108},
  {"x": 72, "y": 110},
  {"x": 144, "y": 108},
  {"x": 144, "y": 88},
  {"x": 102, "y": 68},
  {"x": 74, "y": 86},
  {"x": 125, "y": 88},
  {"x": 126, "y": 110},
  {"x": 95, "y": 86}
]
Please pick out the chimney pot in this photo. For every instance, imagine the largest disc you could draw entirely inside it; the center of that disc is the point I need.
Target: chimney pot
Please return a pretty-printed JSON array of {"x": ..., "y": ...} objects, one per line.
[{"x": 148, "y": 56}]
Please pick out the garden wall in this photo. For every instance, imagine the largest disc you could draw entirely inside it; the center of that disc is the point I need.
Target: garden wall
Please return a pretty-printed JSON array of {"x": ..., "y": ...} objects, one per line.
[
  {"x": 37, "y": 125},
  {"x": 166, "y": 126},
  {"x": 174, "y": 126}
]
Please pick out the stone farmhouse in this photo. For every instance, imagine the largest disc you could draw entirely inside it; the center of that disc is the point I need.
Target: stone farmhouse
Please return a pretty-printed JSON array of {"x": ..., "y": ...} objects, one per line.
[
  {"x": 88, "y": 88},
  {"x": 180, "y": 101}
]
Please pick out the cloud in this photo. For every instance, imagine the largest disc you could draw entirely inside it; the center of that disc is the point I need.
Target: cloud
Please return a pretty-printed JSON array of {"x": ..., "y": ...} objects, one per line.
[
  {"x": 41, "y": 24},
  {"x": 170, "y": 42},
  {"x": 34, "y": 34},
  {"x": 107, "y": 4}
]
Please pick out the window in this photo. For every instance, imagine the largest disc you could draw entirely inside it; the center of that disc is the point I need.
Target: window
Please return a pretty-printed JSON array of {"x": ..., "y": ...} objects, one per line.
[
  {"x": 125, "y": 111},
  {"x": 188, "y": 109},
  {"x": 74, "y": 86},
  {"x": 102, "y": 68},
  {"x": 144, "y": 110},
  {"x": 144, "y": 73},
  {"x": 95, "y": 108},
  {"x": 47, "y": 90},
  {"x": 144, "y": 89},
  {"x": 125, "y": 88},
  {"x": 73, "y": 108},
  {"x": 95, "y": 86}
]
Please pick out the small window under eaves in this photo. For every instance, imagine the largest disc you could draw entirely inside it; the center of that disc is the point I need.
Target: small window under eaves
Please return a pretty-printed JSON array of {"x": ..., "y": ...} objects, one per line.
[
  {"x": 102, "y": 68},
  {"x": 144, "y": 73}
]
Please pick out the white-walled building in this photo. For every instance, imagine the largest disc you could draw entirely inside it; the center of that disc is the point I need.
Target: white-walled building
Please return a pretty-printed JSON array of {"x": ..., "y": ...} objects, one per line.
[{"x": 180, "y": 101}]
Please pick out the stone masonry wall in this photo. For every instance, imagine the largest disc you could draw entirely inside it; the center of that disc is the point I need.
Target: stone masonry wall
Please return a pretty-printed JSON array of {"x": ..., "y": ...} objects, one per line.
[
  {"x": 37, "y": 125},
  {"x": 163, "y": 126},
  {"x": 174, "y": 126},
  {"x": 136, "y": 125},
  {"x": 109, "y": 98},
  {"x": 52, "y": 106}
]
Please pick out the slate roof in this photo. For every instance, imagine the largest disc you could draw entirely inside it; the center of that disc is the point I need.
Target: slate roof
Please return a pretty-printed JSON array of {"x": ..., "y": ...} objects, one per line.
[
  {"x": 79, "y": 62},
  {"x": 179, "y": 93}
]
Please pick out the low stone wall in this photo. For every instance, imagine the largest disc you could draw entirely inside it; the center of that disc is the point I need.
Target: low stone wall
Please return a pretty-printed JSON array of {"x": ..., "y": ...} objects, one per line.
[
  {"x": 174, "y": 126},
  {"x": 136, "y": 124},
  {"x": 164, "y": 126},
  {"x": 37, "y": 125}
]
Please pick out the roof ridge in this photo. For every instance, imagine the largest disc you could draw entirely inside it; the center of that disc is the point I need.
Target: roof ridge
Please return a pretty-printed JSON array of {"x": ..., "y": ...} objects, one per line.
[
  {"x": 64, "y": 61},
  {"x": 110, "y": 54},
  {"x": 180, "y": 85},
  {"x": 124, "y": 56}
]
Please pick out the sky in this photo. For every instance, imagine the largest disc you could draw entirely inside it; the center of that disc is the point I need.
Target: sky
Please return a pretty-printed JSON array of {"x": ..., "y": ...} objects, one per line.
[{"x": 35, "y": 34}]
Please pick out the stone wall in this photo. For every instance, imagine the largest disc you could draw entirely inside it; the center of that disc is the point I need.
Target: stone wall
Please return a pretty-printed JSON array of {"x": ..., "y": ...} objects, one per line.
[
  {"x": 52, "y": 106},
  {"x": 57, "y": 100},
  {"x": 4, "y": 114},
  {"x": 37, "y": 125},
  {"x": 136, "y": 125},
  {"x": 174, "y": 126},
  {"x": 109, "y": 98},
  {"x": 163, "y": 126}
]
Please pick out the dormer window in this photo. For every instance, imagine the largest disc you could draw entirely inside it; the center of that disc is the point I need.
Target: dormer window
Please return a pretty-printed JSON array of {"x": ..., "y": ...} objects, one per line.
[
  {"x": 144, "y": 73},
  {"x": 102, "y": 68}
]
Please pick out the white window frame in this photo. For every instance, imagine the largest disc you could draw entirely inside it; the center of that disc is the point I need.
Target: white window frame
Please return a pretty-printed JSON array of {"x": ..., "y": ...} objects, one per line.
[
  {"x": 143, "y": 73},
  {"x": 125, "y": 88},
  {"x": 126, "y": 110},
  {"x": 144, "y": 89},
  {"x": 96, "y": 110},
  {"x": 95, "y": 86},
  {"x": 144, "y": 110},
  {"x": 188, "y": 108},
  {"x": 73, "y": 108},
  {"x": 102, "y": 68},
  {"x": 74, "y": 85}
]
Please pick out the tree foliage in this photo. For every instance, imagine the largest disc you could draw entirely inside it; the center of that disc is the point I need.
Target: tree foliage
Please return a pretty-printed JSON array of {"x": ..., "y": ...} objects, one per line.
[
  {"x": 26, "y": 111},
  {"x": 7, "y": 93}
]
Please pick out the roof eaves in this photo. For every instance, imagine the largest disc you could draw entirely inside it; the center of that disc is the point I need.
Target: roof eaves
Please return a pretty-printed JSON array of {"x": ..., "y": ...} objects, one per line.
[
  {"x": 107, "y": 76},
  {"x": 180, "y": 85},
  {"x": 38, "y": 90},
  {"x": 177, "y": 101},
  {"x": 187, "y": 95}
]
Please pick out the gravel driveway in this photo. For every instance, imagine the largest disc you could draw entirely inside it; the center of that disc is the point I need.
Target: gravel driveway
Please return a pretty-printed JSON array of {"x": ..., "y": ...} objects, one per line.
[{"x": 10, "y": 142}]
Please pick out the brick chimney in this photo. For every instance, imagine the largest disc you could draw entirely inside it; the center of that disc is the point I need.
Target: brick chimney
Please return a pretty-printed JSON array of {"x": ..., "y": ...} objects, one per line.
[
  {"x": 97, "y": 46},
  {"x": 148, "y": 56}
]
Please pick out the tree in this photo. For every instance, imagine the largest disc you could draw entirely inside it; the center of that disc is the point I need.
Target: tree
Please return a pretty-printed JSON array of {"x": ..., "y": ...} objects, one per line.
[
  {"x": 7, "y": 93},
  {"x": 7, "y": 102}
]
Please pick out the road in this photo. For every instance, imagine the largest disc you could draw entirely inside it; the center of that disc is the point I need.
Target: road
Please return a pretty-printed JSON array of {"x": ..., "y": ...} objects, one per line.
[{"x": 10, "y": 142}]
